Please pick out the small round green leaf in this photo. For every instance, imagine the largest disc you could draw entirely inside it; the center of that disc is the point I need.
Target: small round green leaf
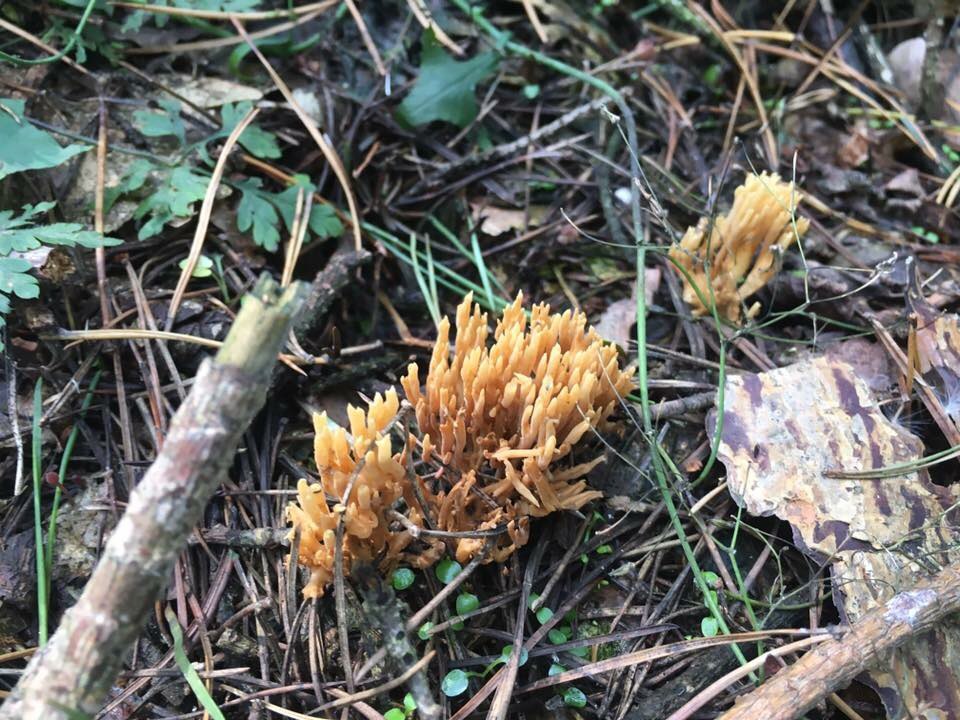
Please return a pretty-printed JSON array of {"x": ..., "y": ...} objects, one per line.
[
  {"x": 424, "y": 632},
  {"x": 409, "y": 704},
  {"x": 203, "y": 268},
  {"x": 574, "y": 697},
  {"x": 447, "y": 570},
  {"x": 402, "y": 578},
  {"x": 394, "y": 714},
  {"x": 604, "y": 550},
  {"x": 555, "y": 669},
  {"x": 455, "y": 683},
  {"x": 709, "y": 627},
  {"x": 544, "y": 614},
  {"x": 467, "y": 603},
  {"x": 557, "y": 636},
  {"x": 508, "y": 651}
]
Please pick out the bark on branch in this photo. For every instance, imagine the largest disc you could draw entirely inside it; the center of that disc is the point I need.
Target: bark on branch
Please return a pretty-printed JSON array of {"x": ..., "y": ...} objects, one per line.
[
  {"x": 834, "y": 663},
  {"x": 75, "y": 670}
]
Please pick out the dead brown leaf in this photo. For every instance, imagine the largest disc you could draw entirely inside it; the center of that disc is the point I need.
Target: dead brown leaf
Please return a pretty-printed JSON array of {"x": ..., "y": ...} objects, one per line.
[{"x": 495, "y": 221}]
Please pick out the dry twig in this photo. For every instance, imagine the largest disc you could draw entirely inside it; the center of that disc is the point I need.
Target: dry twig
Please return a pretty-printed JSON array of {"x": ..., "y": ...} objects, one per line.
[{"x": 75, "y": 670}]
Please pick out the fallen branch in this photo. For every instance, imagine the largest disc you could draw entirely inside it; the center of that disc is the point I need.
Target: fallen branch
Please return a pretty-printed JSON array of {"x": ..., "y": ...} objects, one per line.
[
  {"x": 75, "y": 670},
  {"x": 795, "y": 690}
]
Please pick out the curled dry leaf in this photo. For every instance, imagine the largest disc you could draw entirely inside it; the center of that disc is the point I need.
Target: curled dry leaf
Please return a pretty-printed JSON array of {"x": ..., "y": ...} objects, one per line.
[
  {"x": 743, "y": 248},
  {"x": 495, "y": 221},
  {"x": 498, "y": 424},
  {"x": 785, "y": 432},
  {"x": 938, "y": 356},
  {"x": 621, "y": 315}
]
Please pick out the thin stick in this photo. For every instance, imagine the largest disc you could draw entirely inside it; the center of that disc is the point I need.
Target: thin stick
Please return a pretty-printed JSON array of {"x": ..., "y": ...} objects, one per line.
[
  {"x": 769, "y": 141},
  {"x": 13, "y": 413},
  {"x": 328, "y": 152},
  {"x": 222, "y": 15},
  {"x": 215, "y": 43},
  {"x": 76, "y": 669},
  {"x": 380, "y": 689},
  {"x": 834, "y": 663},
  {"x": 33, "y": 39},
  {"x": 535, "y": 20},
  {"x": 98, "y": 220},
  {"x": 422, "y": 14},
  {"x": 203, "y": 221},
  {"x": 301, "y": 221},
  {"x": 367, "y": 39},
  {"x": 716, "y": 687}
]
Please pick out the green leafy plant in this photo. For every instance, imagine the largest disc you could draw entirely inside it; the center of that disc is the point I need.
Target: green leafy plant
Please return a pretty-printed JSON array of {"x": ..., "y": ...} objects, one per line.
[
  {"x": 20, "y": 234},
  {"x": 262, "y": 211},
  {"x": 203, "y": 269},
  {"x": 574, "y": 697},
  {"x": 466, "y": 603},
  {"x": 455, "y": 683},
  {"x": 424, "y": 630},
  {"x": 24, "y": 147},
  {"x": 163, "y": 122},
  {"x": 255, "y": 140},
  {"x": 445, "y": 88},
  {"x": 168, "y": 192},
  {"x": 407, "y": 711},
  {"x": 709, "y": 626}
]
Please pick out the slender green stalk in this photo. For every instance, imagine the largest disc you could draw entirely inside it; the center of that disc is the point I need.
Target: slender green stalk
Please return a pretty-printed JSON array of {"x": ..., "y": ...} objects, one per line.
[
  {"x": 61, "y": 476},
  {"x": 453, "y": 280},
  {"x": 428, "y": 290},
  {"x": 37, "y": 517},
  {"x": 190, "y": 673},
  {"x": 60, "y": 53},
  {"x": 481, "y": 267},
  {"x": 474, "y": 255}
]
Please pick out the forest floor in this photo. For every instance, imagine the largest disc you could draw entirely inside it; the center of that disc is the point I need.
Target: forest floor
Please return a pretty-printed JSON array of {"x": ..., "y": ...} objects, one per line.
[{"x": 784, "y": 464}]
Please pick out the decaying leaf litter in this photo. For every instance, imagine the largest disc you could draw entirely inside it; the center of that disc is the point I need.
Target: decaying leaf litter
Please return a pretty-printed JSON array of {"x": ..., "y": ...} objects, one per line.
[{"x": 777, "y": 461}]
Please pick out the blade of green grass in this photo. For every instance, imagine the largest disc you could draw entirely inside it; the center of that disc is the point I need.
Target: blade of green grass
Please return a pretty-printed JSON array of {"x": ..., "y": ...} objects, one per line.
[
  {"x": 37, "y": 517},
  {"x": 189, "y": 672},
  {"x": 445, "y": 276},
  {"x": 61, "y": 476},
  {"x": 428, "y": 290}
]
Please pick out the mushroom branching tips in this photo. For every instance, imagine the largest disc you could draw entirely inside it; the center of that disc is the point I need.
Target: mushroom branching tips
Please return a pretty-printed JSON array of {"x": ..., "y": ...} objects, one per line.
[
  {"x": 741, "y": 250},
  {"x": 498, "y": 422},
  {"x": 364, "y": 479}
]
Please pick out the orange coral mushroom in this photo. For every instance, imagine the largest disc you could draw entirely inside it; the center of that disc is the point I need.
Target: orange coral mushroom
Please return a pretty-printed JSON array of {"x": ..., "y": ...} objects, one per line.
[
  {"x": 501, "y": 419},
  {"x": 517, "y": 407},
  {"x": 377, "y": 484},
  {"x": 743, "y": 247}
]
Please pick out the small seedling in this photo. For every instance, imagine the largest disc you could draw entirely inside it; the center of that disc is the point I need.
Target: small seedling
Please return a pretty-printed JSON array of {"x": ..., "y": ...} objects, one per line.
[
  {"x": 574, "y": 697},
  {"x": 402, "y": 578},
  {"x": 447, "y": 570},
  {"x": 455, "y": 683}
]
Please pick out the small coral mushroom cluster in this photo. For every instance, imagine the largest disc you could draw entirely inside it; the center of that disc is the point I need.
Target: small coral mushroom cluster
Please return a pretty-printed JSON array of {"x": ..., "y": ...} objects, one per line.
[
  {"x": 741, "y": 250},
  {"x": 497, "y": 425}
]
